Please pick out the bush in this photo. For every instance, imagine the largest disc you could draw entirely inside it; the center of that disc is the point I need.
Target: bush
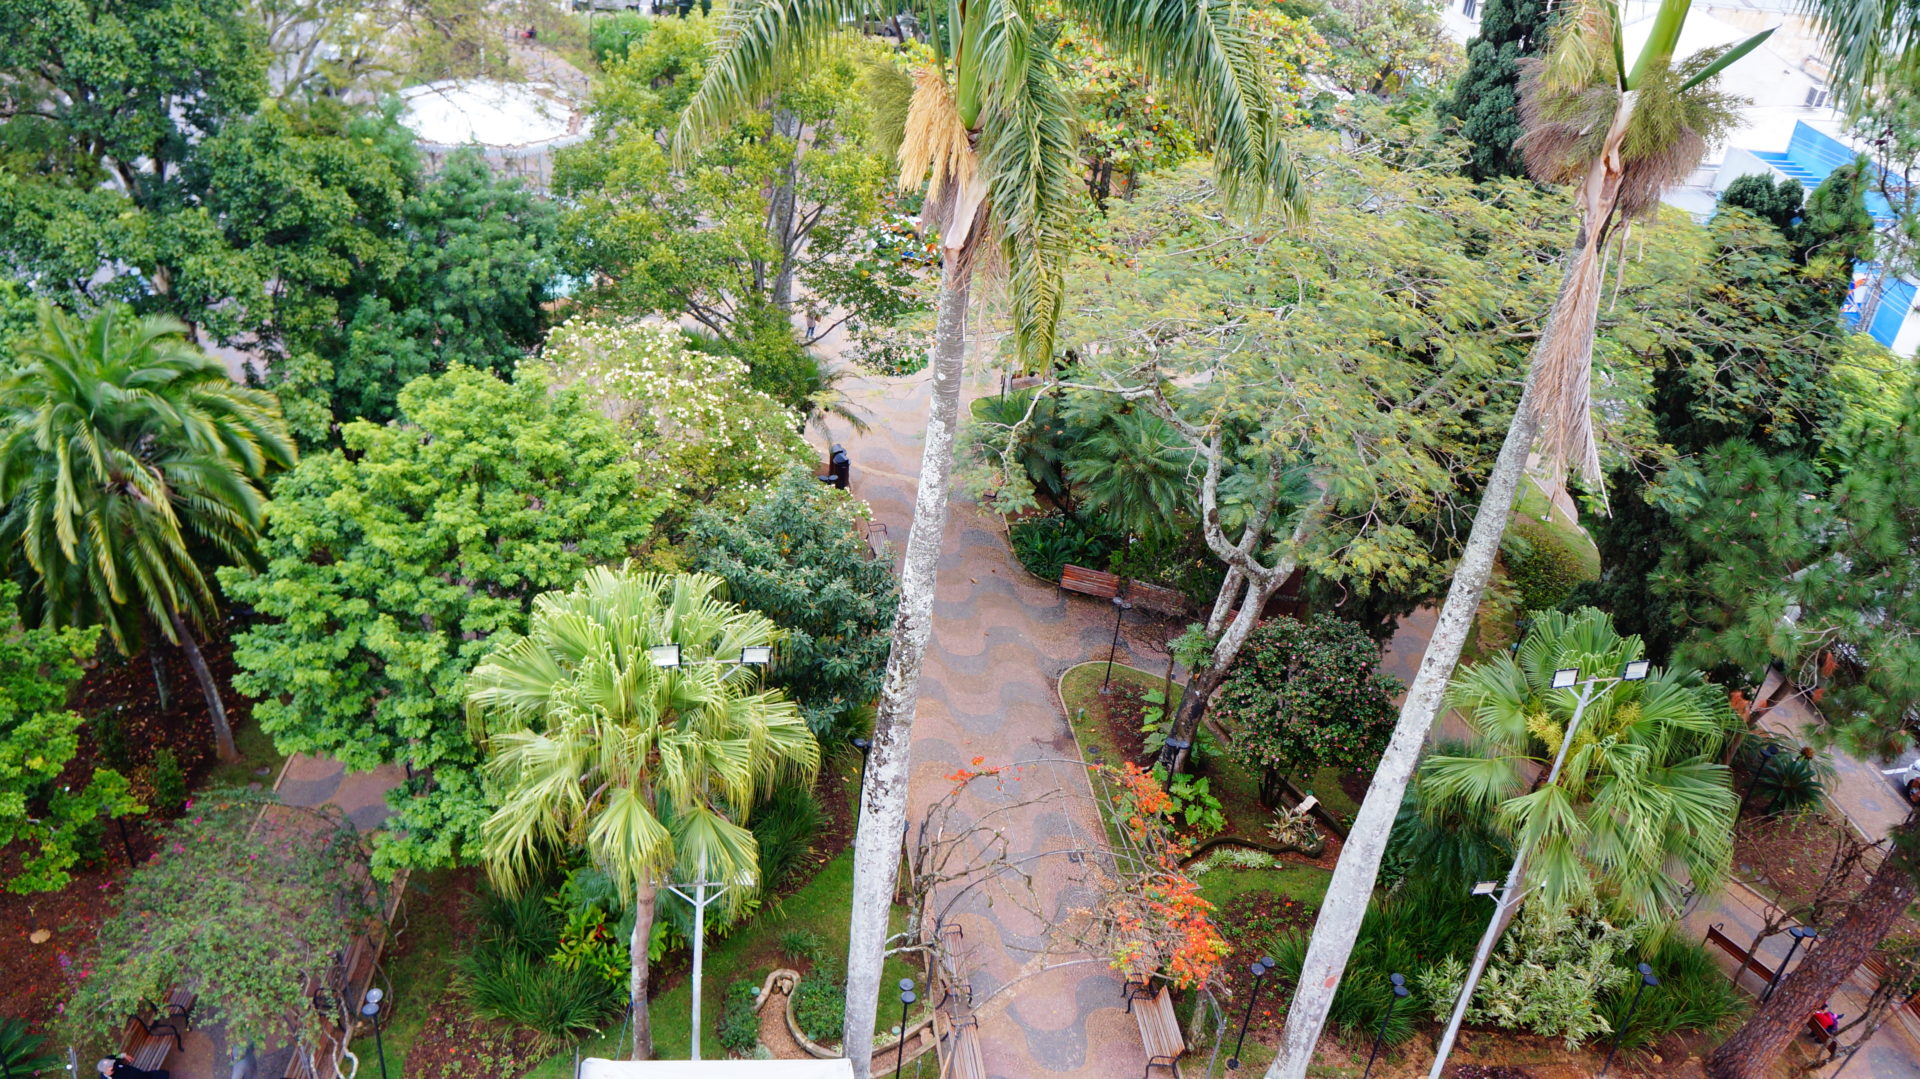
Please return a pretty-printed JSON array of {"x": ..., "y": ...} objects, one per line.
[
  {"x": 21, "y": 1050},
  {"x": 1539, "y": 566},
  {"x": 1548, "y": 975},
  {"x": 819, "y": 1005},
  {"x": 1789, "y": 783},
  {"x": 1694, "y": 995},
  {"x": 612, "y": 35},
  {"x": 739, "y": 1023},
  {"x": 169, "y": 783},
  {"x": 1044, "y": 545},
  {"x": 508, "y": 977},
  {"x": 784, "y": 827},
  {"x": 1306, "y": 695},
  {"x": 803, "y": 944},
  {"x": 1180, "y": 561}
]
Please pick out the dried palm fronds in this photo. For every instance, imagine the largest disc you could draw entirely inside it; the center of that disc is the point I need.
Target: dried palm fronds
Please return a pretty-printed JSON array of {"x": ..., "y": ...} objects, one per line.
[{"x": 938, "y": 147}]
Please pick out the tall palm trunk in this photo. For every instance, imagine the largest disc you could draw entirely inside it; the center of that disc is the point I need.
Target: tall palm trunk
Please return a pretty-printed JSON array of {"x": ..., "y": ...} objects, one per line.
[
  {"x": 222, "y": 732},
  {"x": 644, "y": 898},
  {"x": 883, "y": 802},
  {"x": 1353, "y": 879},
  {"x": 1753, "y": 1049}
]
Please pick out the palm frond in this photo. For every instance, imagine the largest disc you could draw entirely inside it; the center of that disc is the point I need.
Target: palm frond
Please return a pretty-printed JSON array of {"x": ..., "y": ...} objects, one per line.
[{"x": 761, "y": 42}]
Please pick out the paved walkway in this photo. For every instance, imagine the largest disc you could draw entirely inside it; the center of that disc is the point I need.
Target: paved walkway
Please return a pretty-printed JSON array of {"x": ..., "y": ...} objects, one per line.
[{"x": 1000, "y": 640}]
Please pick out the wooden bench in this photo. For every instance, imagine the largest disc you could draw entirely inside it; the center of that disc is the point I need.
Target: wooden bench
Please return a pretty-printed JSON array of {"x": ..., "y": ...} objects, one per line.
[
  {"x": 1089, "y": 582},
  {"x": 1159, "y": 1027},
  {"x": 963, "y": 1052},
  {"x": 148, "y": 1040},
  {"x": 1152, "y": 597}
]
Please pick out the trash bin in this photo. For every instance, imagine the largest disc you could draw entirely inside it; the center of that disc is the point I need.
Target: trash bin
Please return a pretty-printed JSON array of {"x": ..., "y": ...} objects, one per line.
[{"x": 839, "y": 469}]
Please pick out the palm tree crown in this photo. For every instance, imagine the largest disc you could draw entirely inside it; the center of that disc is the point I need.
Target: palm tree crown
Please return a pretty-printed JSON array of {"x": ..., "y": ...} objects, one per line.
[
  {"x": 648, "y": 768},
  {"x": 127, "y": 458},
  {"x": 1642, "y": 809}
]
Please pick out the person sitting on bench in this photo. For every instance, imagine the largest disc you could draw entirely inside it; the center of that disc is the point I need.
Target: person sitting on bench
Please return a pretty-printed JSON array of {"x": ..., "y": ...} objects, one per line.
[{"x": 122, "y": 1068}]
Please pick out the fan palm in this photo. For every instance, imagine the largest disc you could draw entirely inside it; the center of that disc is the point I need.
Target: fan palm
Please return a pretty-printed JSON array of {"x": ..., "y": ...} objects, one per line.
[
  {"x": 649, "y": 770},
  {"x": 988, "y": 131},
  {"x": 1135, "y": 470},
  {"x": 128, "y": 460},
  {"x": 1642, "y": 808},
  {"x": 1619, "y": 133}
]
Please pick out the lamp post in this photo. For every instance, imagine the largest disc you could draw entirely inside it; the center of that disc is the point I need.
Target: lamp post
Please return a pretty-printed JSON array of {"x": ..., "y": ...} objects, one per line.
[
  {"x": 906, "y": 1001},
  {"x": 865, "y": 746},
  {"x": 1767, "y": 753},
  {"x": 1120, "y": 607},
  {"x": 370, "y": 1010},
  {"x": 1646, "y": 979},
  {"x": 705, "y": 894},
  {"x": 1399, "y": 993},
  {"x": 1509, "y": 895},
  {"x": 1800, "y": 934},
  {"x": 1259, "y": 968}
]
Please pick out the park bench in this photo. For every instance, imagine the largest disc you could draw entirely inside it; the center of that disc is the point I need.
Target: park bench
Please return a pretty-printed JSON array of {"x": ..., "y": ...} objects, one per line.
[
  {"x": 149, "y": 1038},
  {"x": 1159, "y": 1027},
  {"x": 1089, "y": 582},
  {"x": 1152, "y": 597},
  {"x": 963, "y": 1051}
]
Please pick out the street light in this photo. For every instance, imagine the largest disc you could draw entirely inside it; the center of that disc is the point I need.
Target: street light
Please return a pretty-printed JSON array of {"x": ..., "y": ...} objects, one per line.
[
  {"x": 1646, "y": 979},
  {"x": 1120, "y": 607},
  {"x": 668, "y": 656},
  {"x": 370, "y": 1010},
  {"x": 1767, "y": 753},
  {"x": 1399, "y": 993},
  {"x": 1510, "y": 895},
  {"x": 1800, "y": 934},
  {"x": 906, "y": 1001},
  {"x": 1259, "y": 968}
]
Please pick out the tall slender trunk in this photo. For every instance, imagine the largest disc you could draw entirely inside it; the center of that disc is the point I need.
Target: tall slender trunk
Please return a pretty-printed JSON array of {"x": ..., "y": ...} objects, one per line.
[
  {"x": 1753, "y": 1049},
  {"x": 222, "y": 732},
  {"x": 883, "y": 802},
  {"x": 780, "y": 213},
  {"x": 159, "y": 664},
  {"x": 643, "y": 903},
  {"x": 1353, "y": 879}
]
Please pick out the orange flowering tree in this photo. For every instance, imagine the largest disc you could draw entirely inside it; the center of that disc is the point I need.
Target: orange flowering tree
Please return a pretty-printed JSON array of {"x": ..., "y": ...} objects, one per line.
[{"x": 1154, "y": 922}]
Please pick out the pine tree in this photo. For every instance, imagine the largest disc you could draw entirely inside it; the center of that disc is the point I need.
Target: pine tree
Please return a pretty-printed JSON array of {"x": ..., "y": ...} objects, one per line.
[{"x": 1487, "y": 99}]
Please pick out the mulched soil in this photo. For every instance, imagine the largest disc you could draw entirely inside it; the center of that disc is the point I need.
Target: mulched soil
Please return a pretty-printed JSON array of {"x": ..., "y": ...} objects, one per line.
[
  {"x": 1250, "y": 922},
  {"x": 1793, "y": 855},
  {"x": 125, "y": 727}
]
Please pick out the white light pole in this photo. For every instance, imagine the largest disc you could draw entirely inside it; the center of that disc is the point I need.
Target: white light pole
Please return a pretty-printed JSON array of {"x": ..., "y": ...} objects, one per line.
[
  {"x": 701, "y": 899},
  {"x": 1509, "y": 895}
]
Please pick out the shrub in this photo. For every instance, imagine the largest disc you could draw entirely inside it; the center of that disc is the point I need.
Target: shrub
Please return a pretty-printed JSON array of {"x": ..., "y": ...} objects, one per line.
[
  {"x": 1540, "y": 566},
  {"x": 739, "y": 1023},
  {"x": 1789, "y": 783},
  {"x": 610, "y": 36},
  {"x": 21, "y": 1050},
  {"x": 1178, "y": 560},
  {"x": 507, "y": 975},
  {"x": 784, "y": 827},
  {"x": 803, "y": 944},
  {"x": 169, "y": 782},
  {"x": 1018, "y": 447},
  {"x": 1194, "y": 804},
  {"x": 1694, "y": 995},
  {"x": 1306, "y": 695},
  {"x": 1044, "y": 545},
  {"x": 819, "y": 1005},
  {"x": 1548, "y": 975}
]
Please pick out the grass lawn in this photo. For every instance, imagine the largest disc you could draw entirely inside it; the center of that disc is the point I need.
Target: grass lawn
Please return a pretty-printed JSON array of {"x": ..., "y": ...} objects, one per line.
[
  {"x": 750, "y": 952},
  {"x": 420, "y": 974},
  {"x": 1302, "y": 882},
  {"x": 1086, "y": 708},
  {"x": 256, "y": 752}
]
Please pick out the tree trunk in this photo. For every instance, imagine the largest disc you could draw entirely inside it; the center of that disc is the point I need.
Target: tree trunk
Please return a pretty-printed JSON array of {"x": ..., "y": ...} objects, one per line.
[
  {"x": 1353, "y": 879},
  {"x": 643, "y": 903},
  {"x": 222, "y": 733},
  {"x": 780, "y": 213},
  {"x": 1753, "y": 1049},
  {"x": 883, "y": 804},
  {"x": 159, "y": 665}
]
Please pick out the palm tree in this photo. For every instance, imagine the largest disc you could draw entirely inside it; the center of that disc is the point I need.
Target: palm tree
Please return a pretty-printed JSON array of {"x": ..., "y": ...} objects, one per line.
[
  {"x": 128, "y": 460},
  {"x": 988, "y": 130},
  {"x": 1619, "y": 134},
  {"x": 650, "y": 769},
  {"x": 1133, "y": 468},
  {"x": 1642, "y": 809},
  {"x": 827, "y": 400}
]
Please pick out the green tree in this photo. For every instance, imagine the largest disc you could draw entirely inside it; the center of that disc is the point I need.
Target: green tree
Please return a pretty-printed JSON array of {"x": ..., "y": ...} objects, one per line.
[
  {"x": 252, "y": 905},
  {"x": 129, "y": 466},
  {"x": 797, "y": 557},
  {"x": 1304, "y": 696},
  {"x": 1818, "y": 576},
  {"x": 38, "y": 740},
  {"x": 1127, "y": 465},
  {"x": 1776, "y": 203},
  {"x": 1753, "y": 354},
  {"x": 1486, "y": 101},
  {"x": 388, "y": 566},
  {"x": 1642, "y": 790},
  {"x": 988, "y": 130},
  {"x": 1619, "y": 131},
  {"x": 650, "y": 770},
  {"x": 1386, "y": 47}
]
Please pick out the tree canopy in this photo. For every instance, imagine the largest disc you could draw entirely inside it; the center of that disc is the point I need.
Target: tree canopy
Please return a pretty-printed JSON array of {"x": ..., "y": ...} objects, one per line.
[{"x": 389, "y": 564}]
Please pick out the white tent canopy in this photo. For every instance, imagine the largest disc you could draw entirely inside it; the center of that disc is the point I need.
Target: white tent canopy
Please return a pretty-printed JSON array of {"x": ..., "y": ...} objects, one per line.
[{"x": 596, "y": 1068}]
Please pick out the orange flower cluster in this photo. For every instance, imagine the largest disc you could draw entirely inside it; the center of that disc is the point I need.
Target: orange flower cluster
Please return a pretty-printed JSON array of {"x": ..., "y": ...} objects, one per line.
[{"x": 1162, "y": 920}]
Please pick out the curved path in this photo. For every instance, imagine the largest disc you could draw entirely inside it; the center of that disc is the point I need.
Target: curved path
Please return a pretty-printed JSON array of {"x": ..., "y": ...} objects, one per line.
[{"x": 1000, "y": 640}]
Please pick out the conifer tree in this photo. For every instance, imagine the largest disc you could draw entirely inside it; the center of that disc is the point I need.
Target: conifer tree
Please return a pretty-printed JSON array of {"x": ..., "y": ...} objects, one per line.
[{"x": 1486, "y": 101}]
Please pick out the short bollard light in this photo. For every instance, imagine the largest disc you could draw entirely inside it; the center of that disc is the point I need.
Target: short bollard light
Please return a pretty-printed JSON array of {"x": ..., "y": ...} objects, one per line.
[{"x": 1259, "y": 968}]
